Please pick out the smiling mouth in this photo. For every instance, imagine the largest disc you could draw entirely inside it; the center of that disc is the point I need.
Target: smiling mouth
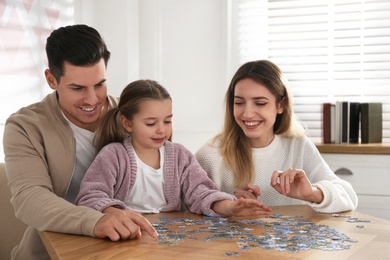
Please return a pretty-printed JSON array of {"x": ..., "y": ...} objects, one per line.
[
  {"x": 159, "y": 140},
  {"x": 88, "y": 109},
  {"x": 252, "y": 123}
]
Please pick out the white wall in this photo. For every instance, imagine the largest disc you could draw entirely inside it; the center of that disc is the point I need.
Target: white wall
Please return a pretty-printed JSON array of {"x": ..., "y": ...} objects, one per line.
[
  {"x": 180, "y": 43},
  {"x": 183, "y": 44},
  {"x": 190, "y": 62},
  {"x": 24, "y": 28},
  {"x": 118, "y": 23}
]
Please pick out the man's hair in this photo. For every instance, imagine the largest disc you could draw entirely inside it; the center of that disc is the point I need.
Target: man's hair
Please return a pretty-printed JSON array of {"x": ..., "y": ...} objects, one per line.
[{"x": 80, "y": 45}]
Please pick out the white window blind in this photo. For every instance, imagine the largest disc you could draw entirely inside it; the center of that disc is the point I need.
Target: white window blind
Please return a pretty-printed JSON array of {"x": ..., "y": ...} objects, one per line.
[
  {"x": 24, "y": 27},
  {"x": 329, "y": 50}
]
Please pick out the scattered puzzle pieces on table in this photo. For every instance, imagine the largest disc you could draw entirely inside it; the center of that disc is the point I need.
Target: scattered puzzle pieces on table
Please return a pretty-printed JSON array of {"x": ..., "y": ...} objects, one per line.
[{"x": 277, "y": 232}]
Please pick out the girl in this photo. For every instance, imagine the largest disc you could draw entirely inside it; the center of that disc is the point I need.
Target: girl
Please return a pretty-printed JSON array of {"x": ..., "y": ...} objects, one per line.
[
  {"x": 262, "y": 142},
  {"x": 139, "y": 169}
]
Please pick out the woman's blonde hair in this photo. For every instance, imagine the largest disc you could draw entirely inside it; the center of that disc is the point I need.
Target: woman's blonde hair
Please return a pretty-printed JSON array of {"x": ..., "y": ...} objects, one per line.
[{"x": 234, "y": 145}]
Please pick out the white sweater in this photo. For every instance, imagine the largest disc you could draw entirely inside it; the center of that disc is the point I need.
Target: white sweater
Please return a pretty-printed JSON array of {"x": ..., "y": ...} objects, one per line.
[{"x": 282, "y": 154}]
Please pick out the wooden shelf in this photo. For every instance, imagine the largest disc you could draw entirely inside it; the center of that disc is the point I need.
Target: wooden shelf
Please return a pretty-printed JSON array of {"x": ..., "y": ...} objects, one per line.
[{"x": 377, "y": 148}]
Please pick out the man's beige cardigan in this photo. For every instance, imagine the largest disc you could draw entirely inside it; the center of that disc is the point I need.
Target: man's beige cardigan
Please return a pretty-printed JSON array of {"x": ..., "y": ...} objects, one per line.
[{"x": 40, "y": 156}]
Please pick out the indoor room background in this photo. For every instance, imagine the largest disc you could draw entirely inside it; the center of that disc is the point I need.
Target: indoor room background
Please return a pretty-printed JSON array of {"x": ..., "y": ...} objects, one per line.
[
  {"x": 329, "y": 50},
  {"x": 194, "y": 47},
  {"x": 181, "y": 44}
]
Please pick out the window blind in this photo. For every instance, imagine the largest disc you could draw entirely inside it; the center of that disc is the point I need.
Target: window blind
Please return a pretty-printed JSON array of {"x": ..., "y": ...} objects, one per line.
[
  {"x": 24, "y": 27},
  {"x": 329, "y": 51}
]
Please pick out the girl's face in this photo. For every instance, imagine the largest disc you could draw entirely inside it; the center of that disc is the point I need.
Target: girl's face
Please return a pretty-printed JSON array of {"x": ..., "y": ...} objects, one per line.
[
  {"x": 151, "y": 126},
  {"x": 255, "y": 110}
]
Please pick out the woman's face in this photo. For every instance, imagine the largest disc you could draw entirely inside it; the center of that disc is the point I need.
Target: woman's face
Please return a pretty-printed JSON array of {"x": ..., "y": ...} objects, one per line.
[{"x": 255, "y": 110}]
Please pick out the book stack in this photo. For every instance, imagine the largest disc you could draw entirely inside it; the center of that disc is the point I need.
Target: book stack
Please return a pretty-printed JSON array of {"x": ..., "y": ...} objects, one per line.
[{"x": 342, "y": 121}]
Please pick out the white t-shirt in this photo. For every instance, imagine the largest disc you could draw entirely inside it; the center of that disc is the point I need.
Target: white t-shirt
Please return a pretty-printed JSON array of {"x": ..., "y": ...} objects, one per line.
[
  {"x": 147, "y": 194},
  {"x": 85, "y": 153}
]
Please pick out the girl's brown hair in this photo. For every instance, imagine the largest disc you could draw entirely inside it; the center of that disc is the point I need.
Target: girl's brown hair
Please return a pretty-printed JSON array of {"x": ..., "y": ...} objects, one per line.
[{"x": 111, "y": 130}]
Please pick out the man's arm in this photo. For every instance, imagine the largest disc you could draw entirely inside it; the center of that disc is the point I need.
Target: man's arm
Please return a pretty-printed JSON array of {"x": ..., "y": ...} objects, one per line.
[
  {"x": 122, "y": 224},
  {"x": 32, "y": 166}
]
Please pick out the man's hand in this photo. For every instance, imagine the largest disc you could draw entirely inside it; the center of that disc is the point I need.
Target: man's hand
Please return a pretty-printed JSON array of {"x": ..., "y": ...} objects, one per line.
[
  {"x": 122, "y": 224},
  {"x": 248, "y": 191}
]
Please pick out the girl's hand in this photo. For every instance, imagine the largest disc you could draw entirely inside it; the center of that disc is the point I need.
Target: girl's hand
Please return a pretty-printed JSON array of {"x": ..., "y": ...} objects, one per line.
[
  {"x": 295, "y": 184},
  {"x": 248, "y": 191},
  {"x": 240, "y": 207},
  {"x": 247, "y": 207}
]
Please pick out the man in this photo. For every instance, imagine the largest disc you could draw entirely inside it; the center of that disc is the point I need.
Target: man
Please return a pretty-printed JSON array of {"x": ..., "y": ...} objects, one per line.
[{"x": 48, "y": 146}]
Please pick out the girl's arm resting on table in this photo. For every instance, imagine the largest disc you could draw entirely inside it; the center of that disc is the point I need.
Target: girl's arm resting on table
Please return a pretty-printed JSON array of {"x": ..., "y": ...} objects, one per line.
[{"x": 240, "y": 207}]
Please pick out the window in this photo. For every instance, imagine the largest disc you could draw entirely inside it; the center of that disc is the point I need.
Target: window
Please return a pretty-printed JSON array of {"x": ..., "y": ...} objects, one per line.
[
  {"x": 24, "y": 27},
  {"x": 333, "y": 50}
]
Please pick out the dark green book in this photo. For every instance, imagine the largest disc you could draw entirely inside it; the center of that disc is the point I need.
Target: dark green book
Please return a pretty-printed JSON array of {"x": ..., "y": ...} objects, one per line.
[{"x": 371, "y": 122}]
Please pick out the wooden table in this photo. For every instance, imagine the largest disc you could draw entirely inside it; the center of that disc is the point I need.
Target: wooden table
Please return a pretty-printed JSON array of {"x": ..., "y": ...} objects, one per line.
[{"x": 373, "y": 241}]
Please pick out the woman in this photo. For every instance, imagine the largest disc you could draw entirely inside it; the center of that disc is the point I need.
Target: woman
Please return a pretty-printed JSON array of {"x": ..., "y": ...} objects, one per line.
[{"x": 263, "y": 151}]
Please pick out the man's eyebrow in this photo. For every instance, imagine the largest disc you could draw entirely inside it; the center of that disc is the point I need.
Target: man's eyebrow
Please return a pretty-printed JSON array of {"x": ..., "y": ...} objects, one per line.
[
  {"x": 101, "y": 82},
  {"x": 82, "y": 86},
  {"x": 76, "y": 85}
]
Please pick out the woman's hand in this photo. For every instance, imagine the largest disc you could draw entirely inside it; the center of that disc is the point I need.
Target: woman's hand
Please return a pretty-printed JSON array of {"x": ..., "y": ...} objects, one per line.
[
  {"x": 295, "y": 184},
  {"x": 248, "y": 191}
]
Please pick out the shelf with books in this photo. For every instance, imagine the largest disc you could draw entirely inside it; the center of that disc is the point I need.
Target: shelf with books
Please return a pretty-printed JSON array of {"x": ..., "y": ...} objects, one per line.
[
  {"x": 371, "y": 148},
  {"x": 346, "y": 122}
]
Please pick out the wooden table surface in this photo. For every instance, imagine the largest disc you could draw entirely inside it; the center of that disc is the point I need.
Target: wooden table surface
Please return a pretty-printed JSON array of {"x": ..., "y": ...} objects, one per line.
[{"x": 373, "y": 241}]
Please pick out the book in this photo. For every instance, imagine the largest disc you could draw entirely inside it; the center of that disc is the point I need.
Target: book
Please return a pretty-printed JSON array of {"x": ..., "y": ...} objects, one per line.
[
  {"x": 332, "y": 123},
  {"x": 326, "y": 123},
  {"x": 344, "y": 122},
  {"x": 371, "y": 122},
  {"x": 337, "y": 124},
  {"x": 354, "y": 120}
]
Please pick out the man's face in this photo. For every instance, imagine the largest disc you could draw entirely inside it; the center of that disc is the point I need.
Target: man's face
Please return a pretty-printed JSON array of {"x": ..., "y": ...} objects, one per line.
[{"x": 82, "y": 93}]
